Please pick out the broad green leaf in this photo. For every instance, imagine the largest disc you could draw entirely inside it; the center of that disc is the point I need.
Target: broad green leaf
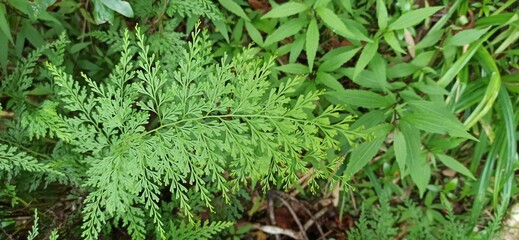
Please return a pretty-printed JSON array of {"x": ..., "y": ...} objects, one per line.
[
  {"x": 122, "y": 7},
  {"x": 367, "y": 54},
  {"x": 347, "y": 5},
  {"x": 222, "y": 28},
  {"x": 381, "y": 14},
  {"x": 321, "y": 3},
  {"x": 430, "y": 39},
  {"x": 365, "y": 99},
  {"x": 3, "y": 54},
  {"x": 438, "y": 143},
  {"x": 335, "y": 24},
  {"x": 296, "y": 48},
  {"x": 430, "y": 89},
  {"x": 378, "y": 66},
  {"x": 500, "y": 19},
  {"x": 234, "y": 8},
  {"x": 39, "y": 7},
  {"x": 436, "y": 123},
  {"x": 4, "y": 25},
  {"x": 335, "y": 62},
  {"x": 412, "y": 18},
  {"x": 20, "y": 5},
  {"x": 455, "y": 165},
  {"x": 237, "y": 32},
  {"x": 438, "y": 109},
  {"x": 254, "y": 34},
  {"x": 294, "y": 68},
  {"x": 465, "y": 37},
  {"x": 416, "y": 163},
  {"x": 366, "y": 78},
  {"x": 102, "y": 13},
  {"x": 447, "y": 16},
  {"x": 362, "y": 154},
  {"x": 286, "y": 30},
  {"x": 451, "y": 73},
  {"x": 370, "y": 119},
  {"x": 328, "y": 80},
  {"x": 334, "y": 97},
  {"x": 78, "y": 47},
  {"x": 393, "y": 42},
  {"x": 312, "y": 42},
  {"x": 285, "y": 10},
  {"x": 423, "y": 59},
  {"x": 401, "y": 70},
  {"x": 32, "y": 35},
  {"x": 400, "y": 147}
]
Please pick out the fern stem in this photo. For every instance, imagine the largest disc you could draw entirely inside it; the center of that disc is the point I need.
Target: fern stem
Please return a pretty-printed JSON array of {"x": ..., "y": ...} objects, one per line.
[
  {"x": 25, "y": 149},
  {"x": 241, "y": 116}
]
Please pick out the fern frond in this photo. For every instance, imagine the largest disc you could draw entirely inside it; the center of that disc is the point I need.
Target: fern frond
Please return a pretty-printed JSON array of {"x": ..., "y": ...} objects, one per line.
[
  {"x": 16, "y": 84},
  {"x": 147, "y": 127},
  {"x": 34, "y": 231},
  {"x": 109, "y": 37},
  {"x": 12, "y": 161},
  {"x": 194, "y": 8},
  {"x": 200, "y": 231},
  {"x": 45, "y": 119}
]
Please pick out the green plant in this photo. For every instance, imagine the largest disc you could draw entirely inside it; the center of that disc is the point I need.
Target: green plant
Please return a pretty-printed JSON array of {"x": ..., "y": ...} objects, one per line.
[
  {"x": 161, "y": 138},
  {"x": 190, "y": 123},
  {"x": 381, "y": 223},
  {"x": 419, "y": 89}
]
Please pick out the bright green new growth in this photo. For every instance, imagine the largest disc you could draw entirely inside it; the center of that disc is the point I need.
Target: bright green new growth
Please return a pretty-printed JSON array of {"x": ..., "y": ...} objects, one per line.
[{"x": 147, "y": 128}]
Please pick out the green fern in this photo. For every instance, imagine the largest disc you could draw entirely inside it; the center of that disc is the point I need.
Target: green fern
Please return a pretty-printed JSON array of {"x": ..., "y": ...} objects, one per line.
[
  {"x": 146, "y": 128},
  {"x": 12, "y": 161},
  {"x": 379, "y": 224},
  {"x": 34, "y": 231},
  {"x": 44, "y": 120},
  {"x": 178, "y": 8},
  {"x": 194, "y": 8},
  {"x": 198, "y": 230}
]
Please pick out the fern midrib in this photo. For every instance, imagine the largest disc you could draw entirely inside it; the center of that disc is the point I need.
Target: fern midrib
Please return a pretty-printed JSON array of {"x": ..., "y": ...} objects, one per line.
[
  {"x": 227, "y": 116},
  {"x": 28, "y": 150}
]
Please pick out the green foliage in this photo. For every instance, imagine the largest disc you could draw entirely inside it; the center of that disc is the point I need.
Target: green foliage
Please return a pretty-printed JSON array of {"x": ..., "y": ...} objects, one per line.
[
  {"x": 381, "y": 223},
  {"x": 197, "y": 8},
  {"x": 12, "y": 161},
  {"x": 378, "y": 226},
  {"x": 416, "y": 105},
  {"x": 34, "y": 231},
  {"x": 190, "y": 123},
  {"x": 33, "y": 120},
  {"x": 173, "y": 134},
  {"x": 203, "y": 231}
]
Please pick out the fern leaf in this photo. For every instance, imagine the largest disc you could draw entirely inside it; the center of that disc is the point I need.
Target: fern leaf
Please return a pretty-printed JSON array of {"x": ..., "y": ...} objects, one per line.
[
  {"x": 12, "y": 161},
  {"x": 200, "y": 231},
  {"x": 145, "y": 128}
]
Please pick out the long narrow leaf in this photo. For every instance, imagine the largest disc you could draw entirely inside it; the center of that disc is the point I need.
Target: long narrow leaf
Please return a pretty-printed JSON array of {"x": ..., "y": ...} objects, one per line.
[
  {"x": 285, "y": 10},
  {"x": 312, "y": 42},
  {"x": 285, "y": 30},
  {"x": 412, "y": 18},
  {"x": 492, "y": 89}
]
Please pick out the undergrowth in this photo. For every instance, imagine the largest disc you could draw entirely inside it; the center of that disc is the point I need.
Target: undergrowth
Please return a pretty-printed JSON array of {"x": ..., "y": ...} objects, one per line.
[{"x": 170, "y": 119}]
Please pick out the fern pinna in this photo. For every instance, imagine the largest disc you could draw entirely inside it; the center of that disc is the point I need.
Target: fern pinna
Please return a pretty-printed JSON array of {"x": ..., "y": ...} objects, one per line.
[{"x": 146, "y": 129}]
